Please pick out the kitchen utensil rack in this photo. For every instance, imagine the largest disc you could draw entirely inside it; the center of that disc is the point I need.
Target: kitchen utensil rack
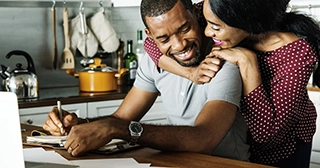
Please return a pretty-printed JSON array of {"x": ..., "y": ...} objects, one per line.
[
  {"x": 58, "y": 4},
  {"x": 306, "y": 6},
  {"x": 294, "y": 5}
]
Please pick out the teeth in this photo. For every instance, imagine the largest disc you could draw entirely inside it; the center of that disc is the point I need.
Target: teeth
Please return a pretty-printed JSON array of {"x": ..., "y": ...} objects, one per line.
[
  {"x": 217, "y": 42},
  {"x": 183, "y": 54}
]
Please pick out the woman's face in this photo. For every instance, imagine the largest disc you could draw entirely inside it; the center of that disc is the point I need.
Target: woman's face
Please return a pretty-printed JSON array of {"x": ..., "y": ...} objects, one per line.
[{"x": 222, "y": 34}]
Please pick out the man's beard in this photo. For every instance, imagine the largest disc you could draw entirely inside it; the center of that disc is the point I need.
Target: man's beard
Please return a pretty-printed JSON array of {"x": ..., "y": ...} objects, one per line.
[{"x": 194, "y": 62}]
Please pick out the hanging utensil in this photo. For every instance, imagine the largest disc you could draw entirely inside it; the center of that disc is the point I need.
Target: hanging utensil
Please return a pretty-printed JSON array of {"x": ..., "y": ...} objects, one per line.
[
  {"x": 84, "y": 29},
  {"x": 86, "y": 60},
  {"x": 55, "y": 54},
  {"x": 67, "y": 59},
  {"x": 101, "y": 6}
]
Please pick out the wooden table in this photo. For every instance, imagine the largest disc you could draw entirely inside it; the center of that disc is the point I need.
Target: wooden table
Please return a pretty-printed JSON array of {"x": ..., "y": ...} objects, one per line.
[{"x": 159, "y": 158}]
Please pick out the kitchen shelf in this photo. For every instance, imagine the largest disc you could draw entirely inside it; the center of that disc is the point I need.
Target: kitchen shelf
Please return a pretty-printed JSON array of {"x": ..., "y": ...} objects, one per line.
[{"x": 58, "y": 4}]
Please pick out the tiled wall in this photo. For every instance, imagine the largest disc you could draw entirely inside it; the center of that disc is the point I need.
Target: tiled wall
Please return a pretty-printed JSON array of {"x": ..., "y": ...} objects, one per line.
[
  {"x": 126, "y": 22},
  {"x": 30, "y": 29}
]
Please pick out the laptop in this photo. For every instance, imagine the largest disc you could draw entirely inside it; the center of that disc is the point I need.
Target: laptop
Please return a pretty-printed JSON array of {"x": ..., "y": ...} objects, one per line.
[{"x": 11, "y": 151}]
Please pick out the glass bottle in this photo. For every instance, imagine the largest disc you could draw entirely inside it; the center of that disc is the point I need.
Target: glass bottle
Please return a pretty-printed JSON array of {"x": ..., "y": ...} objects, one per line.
[
  {"x": 139, "y": 47},
  {"x": 131, "y": 63}
]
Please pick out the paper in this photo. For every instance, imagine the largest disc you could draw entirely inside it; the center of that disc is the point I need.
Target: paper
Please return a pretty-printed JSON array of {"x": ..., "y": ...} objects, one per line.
[
  {"x": 42, "y": 156},
  {"x": 49, "y": 139},
  {"x": 110, "y": 163},
  {"x": 39, "y": 158}
]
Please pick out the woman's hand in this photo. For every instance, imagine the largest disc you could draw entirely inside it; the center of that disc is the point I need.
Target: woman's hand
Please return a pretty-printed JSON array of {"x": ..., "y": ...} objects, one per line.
[
  {"x": 238, "y": 55},
  {"x": 248, "y": 65},
  {"x": 205, "y": 71}
]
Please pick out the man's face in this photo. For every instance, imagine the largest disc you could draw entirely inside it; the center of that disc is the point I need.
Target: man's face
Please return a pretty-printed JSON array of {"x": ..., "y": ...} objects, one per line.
[{"x": 177, "y": 34}]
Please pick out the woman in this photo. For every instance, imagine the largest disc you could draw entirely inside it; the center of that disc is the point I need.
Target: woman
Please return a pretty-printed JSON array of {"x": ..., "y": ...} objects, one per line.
[
  {"x": 284, "y": 50},
  {"x": 286, "y": 46}
]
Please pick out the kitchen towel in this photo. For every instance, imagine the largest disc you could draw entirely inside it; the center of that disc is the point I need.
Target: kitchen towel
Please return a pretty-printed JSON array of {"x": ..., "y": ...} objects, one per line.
[
  {"x": 104, "y": 32},
  {"x": 77, "y": 39}
]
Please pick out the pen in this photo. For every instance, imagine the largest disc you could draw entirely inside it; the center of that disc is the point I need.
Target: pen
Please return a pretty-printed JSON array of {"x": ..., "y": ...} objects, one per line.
[{"x": 60, "y": 115}]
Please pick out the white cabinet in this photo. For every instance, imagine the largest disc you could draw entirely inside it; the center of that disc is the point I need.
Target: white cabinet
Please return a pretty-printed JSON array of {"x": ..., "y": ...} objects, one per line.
[
  {"x": 156, "y": 114},
  {"x": 315, "y": 155},
  {"x": 102, "y": 108},
  {"x": 38, "y": 115}
]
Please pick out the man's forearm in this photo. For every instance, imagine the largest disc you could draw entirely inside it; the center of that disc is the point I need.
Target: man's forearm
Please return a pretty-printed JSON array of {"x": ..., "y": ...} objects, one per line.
[
  {"x": 176, "y": 138},
  {"x": 164, "y": 137},
  {"x": 86, "y": 120}
]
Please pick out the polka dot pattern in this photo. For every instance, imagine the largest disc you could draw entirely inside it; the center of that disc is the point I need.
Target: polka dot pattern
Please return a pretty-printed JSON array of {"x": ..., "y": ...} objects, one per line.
[
  {"x": 279, "y": 111},
  {"x": 151, "y": 47}
]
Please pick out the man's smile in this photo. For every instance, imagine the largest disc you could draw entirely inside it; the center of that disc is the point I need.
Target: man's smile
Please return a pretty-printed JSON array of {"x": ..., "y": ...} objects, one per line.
[{"x": 186, "y": 54}]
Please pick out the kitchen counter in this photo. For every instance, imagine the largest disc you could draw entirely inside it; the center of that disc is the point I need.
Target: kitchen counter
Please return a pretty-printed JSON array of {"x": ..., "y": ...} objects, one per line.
[
  {"x": 313, "y": 88},
  {"x": 69, "y": 95}
]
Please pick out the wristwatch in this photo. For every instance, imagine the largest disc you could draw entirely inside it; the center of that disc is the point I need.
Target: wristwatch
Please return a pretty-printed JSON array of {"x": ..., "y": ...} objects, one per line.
[{"x": 135, "y": 129}]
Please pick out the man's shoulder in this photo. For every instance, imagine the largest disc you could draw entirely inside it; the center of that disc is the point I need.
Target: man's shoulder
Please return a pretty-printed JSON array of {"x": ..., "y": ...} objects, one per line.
[
  {"x": 146, "y": 61},
  {"x": 228, "y": 66}
]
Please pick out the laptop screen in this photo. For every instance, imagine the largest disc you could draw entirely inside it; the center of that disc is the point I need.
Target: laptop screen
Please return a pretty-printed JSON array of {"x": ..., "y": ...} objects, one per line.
[{"x": 11, "y": 141}]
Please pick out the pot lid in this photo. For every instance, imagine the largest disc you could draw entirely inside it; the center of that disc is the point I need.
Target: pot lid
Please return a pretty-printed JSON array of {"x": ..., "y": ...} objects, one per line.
[{"x": 98, "y": 67}]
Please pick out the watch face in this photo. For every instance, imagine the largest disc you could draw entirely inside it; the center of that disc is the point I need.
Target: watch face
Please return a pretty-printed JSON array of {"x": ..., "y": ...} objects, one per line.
[
  {"x": 135, "y": 132},
  {"x": 135, "y": 127}
]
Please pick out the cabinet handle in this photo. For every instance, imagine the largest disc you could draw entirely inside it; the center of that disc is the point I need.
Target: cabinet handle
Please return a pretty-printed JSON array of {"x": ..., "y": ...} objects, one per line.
[{"x": 29, "y": 121}]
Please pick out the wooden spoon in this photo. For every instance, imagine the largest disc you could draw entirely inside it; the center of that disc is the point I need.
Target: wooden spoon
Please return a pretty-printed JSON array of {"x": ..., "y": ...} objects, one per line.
[
  {"x": 55, "y": 54},
  {"x": 66, "y": 59}
]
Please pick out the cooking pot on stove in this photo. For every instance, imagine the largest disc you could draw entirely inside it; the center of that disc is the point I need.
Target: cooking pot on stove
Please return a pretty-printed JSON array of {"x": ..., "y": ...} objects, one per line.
[{"x": 98, "y": 77}]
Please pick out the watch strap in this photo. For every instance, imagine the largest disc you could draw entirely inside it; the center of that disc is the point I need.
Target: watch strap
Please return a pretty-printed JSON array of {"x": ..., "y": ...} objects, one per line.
[
  {"x": 133, "y": 140},
  {"x": 134, "y": 135}
]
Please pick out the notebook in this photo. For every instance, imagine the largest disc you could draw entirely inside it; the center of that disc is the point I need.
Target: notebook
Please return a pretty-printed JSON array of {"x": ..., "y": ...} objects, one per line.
[{"x": 11, "y": 151}]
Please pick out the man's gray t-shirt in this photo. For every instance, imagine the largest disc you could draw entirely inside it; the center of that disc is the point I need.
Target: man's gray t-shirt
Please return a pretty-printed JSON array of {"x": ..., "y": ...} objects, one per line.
[{"x": 183, "y": 100}]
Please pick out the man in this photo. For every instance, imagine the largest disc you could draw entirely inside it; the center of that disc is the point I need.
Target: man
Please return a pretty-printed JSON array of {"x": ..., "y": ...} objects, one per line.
[{"x": 202, "y": 118}]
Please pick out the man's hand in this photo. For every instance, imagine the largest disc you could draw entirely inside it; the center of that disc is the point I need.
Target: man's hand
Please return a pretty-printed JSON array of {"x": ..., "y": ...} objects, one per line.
[
  {"x": 53, "y": 123},
  {"x": 90, "y": 136}
]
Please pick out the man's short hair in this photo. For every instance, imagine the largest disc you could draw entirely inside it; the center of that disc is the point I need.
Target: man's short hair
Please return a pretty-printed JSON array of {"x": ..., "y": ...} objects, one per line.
[{"x": 154, "y": 8}]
